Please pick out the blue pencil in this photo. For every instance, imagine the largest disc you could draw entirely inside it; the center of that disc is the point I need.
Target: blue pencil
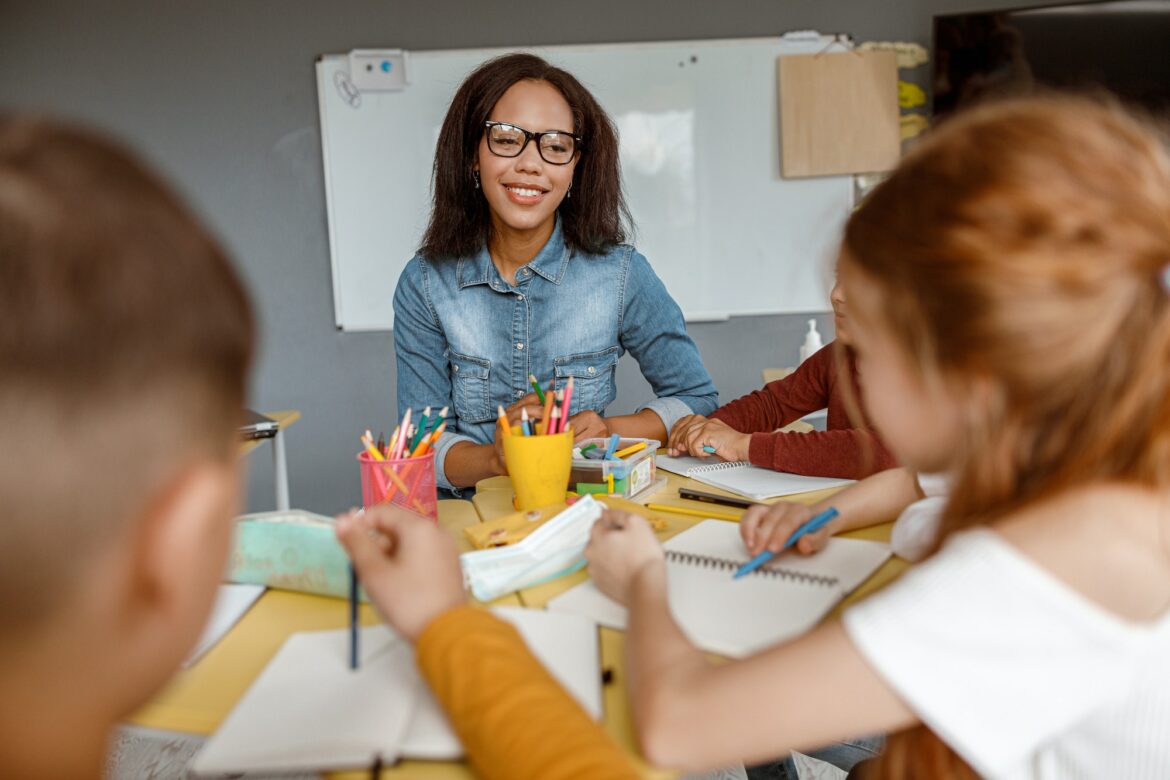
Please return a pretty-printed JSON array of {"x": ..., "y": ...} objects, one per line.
[
  {"x": 815, "y": 524},
  {"x": 353, "y": 617}
]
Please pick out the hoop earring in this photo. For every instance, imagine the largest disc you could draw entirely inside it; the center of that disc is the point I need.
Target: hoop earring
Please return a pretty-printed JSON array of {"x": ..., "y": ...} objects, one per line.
[{"x": 475, "y": 175}]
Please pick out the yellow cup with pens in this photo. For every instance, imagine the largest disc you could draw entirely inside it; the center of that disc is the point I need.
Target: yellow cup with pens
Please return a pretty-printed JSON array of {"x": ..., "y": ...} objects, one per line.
[{"x": 539, "y": 467}]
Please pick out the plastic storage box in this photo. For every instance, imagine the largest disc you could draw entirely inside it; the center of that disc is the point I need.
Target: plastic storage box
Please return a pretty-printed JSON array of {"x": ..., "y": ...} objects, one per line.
[{"x": 631, "y": 475}]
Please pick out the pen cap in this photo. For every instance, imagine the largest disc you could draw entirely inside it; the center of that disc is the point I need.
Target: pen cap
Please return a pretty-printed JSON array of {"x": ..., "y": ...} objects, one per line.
[{"x": 812, "y": 341}]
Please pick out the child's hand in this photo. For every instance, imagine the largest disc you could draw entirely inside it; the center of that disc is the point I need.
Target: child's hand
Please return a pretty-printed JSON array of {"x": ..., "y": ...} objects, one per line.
[
  {"x": 407, "y": 564},
  {"x": 675, "y": 444},
  {"x": 765, "y": 527},
  {"x": 589, "y": 425},
  {"x": 691, "y": 434},
  {"x": 620, "y": 546}
]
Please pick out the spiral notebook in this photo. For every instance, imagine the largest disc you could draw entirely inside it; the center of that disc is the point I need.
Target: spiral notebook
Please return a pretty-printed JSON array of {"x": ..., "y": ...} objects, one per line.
[
  {"x": 745, "y": 479},
  {"x": 738, "y": 617}
]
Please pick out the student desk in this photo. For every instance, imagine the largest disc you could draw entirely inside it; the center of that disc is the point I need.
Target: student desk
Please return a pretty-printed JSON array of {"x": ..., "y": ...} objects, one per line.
[
  {"x": 199, "y": 698},
  {"x": 493, "y": 499}
]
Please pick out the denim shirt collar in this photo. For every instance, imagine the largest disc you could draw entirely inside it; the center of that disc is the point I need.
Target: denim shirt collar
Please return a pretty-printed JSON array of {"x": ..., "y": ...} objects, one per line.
[{"x": 550, "y": 262}]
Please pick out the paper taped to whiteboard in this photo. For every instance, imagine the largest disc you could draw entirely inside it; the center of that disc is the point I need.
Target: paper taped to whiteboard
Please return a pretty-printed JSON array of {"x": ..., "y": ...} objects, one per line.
[{"x": 373, "y": 70}]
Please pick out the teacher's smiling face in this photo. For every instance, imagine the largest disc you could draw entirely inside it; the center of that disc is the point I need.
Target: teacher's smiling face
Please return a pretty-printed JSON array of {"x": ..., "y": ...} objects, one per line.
[{"x": 524, "y": 191}]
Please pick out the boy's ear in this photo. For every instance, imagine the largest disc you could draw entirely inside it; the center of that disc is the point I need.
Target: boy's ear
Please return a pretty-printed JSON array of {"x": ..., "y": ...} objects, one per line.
[{"x": 181, "y": 548}]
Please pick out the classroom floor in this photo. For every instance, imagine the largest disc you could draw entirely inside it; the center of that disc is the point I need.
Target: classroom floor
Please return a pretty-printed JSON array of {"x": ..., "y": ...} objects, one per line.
[{"x": 145, "y": 754}]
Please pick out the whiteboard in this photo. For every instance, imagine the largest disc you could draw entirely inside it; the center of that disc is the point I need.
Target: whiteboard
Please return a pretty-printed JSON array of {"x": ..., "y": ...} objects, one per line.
[{"x": 700, "y": 153}]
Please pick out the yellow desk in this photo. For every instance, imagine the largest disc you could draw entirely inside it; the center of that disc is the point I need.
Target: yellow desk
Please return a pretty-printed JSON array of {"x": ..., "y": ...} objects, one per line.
[
  {"x": 284, "y": 419},
  {"x": 199, "y": 698},
  {"x": 493, "y": 499}
]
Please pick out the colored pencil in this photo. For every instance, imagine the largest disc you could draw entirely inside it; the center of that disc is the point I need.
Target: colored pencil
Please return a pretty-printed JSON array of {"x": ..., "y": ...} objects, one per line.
[
  {"x": 503, "y": 419},
  {"x": 422, "y": 429},
  {"x": 815, "y": 524},
  {"x": 353, "y": 617},
  {"x": 525, "y": 426},
  {"x": 682, "y": 510},
  {"x": 565, "y": 408},
  {"x": 536, "y": 387},
  {"x": 546, "y": 417}
]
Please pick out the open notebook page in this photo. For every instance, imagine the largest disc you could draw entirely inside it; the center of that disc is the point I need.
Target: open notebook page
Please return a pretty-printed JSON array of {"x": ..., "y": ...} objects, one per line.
[
  {"x": 308, "y": 711},
  {"x": 739, "y": 617},
  {"x": 745, "y": 479}
]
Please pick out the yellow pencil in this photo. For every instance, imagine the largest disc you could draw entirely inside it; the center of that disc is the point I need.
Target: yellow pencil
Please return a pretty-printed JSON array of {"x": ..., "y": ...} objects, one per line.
[
  {"x": 630, "y": 450},
  {"x": 682, "y": 510},
  {"x": 609, "y": 482}
]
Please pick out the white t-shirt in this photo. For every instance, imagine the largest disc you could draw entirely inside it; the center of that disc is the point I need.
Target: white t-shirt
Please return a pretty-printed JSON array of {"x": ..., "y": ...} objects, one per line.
[
  {"x": 916, "y": 528},
  {"x": 1021, "y": 675}
]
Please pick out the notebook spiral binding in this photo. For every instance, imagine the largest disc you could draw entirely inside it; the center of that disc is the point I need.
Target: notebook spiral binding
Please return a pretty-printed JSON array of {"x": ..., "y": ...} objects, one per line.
[
  {"x": 726, "y": 564},
  {"x": 731, "y": 464}
]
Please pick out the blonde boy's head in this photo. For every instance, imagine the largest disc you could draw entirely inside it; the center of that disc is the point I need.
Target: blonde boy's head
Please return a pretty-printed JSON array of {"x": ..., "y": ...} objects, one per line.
[{"x": 125, "y": 338}]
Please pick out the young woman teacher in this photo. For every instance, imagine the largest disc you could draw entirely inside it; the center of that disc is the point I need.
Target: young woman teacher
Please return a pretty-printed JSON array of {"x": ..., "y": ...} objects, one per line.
[{"x": 522, "y": 270}]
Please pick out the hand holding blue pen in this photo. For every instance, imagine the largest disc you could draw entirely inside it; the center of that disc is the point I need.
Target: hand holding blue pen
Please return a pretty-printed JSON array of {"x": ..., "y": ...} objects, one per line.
[{"x": 815, "y": 524}]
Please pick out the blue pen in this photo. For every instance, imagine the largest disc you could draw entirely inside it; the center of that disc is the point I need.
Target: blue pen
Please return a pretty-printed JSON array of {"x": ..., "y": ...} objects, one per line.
[
  {"x": 812, "y": 525},
  {"x": 353, "y": 617},
  {"x": 707, "y": 448}
]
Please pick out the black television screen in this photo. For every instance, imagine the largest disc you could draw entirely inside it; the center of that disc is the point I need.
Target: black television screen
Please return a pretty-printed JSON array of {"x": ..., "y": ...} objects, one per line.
[{"x": 1123, "y": 47}]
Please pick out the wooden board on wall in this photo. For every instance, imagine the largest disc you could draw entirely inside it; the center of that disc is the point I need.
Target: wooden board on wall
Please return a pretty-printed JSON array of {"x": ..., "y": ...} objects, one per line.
[{"x": 838, "y": 113}]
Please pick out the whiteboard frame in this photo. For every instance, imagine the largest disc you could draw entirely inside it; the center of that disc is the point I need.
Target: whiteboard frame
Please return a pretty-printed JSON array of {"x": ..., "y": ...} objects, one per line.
[{"x": 815, "y": 41}]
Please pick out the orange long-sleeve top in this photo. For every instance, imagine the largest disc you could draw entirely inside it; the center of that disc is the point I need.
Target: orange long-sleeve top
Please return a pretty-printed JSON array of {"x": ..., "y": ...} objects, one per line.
[
  {"x": 514, "y": 719},
  {"x": 840, "y": 451}
]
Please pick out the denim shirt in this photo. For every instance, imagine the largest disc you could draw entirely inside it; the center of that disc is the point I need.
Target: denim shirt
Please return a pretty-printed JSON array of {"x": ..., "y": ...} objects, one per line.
[{"x": 467, "y": 339}]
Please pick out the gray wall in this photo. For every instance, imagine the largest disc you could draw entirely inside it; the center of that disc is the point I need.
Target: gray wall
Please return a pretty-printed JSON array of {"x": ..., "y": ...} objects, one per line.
[{"x": 221, "y": 96}]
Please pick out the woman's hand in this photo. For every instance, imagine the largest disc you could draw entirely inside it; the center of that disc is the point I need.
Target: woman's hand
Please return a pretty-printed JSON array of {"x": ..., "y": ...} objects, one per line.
[
  {"x": 690, "y": 434},
  {"x": 589, "y": 425},
  {"x": 408, "y": 565},
  {"x": 764, "y": 527},
  {"x": 621, "y": 546}
]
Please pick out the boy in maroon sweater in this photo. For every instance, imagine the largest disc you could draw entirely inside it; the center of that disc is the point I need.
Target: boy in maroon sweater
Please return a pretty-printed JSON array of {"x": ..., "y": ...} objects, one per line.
[{"x": 745, "y": 429}]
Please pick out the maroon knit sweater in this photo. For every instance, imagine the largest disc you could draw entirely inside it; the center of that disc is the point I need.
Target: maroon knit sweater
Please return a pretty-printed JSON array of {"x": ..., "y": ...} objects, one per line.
[{"x": 840, "y": 451}]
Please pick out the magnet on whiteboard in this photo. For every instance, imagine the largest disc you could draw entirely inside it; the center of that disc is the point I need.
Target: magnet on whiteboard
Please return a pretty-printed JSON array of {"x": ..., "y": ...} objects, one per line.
[{"x": 374, "y": 70}]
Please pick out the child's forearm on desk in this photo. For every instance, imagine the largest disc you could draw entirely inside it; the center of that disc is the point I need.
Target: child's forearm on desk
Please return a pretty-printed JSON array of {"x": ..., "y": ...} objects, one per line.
[
  {"x": 661, "y": 666},
  {"x": 877, "y": 499},
  {"x": 512, "y": 717}
]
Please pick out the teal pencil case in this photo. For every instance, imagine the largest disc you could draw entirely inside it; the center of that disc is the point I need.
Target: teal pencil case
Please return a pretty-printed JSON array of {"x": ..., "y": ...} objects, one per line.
[{"x": 292, "y": 550}]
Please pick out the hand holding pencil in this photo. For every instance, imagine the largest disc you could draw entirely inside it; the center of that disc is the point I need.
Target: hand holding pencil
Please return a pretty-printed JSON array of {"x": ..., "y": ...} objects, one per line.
[
  {"x": 407, "y": 564},
  {"x": 768, "y": 527}
]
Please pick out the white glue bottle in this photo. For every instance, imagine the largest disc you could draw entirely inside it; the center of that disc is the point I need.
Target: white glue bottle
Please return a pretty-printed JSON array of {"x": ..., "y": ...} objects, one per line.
[{"x": 812, "y": 341}]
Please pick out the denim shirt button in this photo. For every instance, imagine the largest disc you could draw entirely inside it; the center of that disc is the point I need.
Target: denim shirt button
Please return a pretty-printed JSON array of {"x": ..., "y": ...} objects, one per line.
[
  {"x": 519, "y": 296},
  {"x": 519, "y": 345},
  {"x": 592, "y": 370}
]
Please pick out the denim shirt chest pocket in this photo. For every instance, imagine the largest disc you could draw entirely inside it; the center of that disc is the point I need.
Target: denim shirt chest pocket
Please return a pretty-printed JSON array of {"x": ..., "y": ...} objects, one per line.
[
  {"x": 469, "y": 383},
  {"x": 593, "y": 378}
]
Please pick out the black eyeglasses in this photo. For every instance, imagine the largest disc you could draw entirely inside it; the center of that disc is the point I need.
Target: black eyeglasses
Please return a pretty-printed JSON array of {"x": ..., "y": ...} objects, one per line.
[{"x": 556, "y": 147}]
